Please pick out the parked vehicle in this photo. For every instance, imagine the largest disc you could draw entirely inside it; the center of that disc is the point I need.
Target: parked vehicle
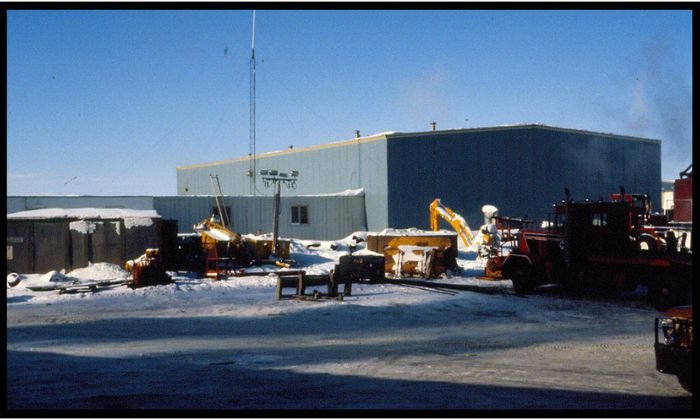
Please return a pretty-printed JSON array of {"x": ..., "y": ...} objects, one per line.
[
  {"x": 673, "y": 345},
  {"x": 601, "y": 244},
  {"x": 490, "y": 239}
]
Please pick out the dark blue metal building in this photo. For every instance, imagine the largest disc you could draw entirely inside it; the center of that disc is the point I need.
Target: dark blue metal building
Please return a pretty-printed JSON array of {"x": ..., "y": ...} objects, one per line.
[{"x": 520, "y": 169}]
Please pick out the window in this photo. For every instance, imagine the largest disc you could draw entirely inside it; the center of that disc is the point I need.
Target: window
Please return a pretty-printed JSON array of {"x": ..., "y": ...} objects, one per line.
[{"x": 300, "y": 215}]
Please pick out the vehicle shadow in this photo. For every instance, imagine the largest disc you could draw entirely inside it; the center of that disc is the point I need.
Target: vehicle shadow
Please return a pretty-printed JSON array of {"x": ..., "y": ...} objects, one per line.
[{"x": 19, "y": 299}]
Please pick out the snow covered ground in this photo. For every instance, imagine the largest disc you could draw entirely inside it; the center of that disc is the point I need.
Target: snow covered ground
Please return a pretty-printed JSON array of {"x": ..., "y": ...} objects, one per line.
[{"x": 229, "y": 344}]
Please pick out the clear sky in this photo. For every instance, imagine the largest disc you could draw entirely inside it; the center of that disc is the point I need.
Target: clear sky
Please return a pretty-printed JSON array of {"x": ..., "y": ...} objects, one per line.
[{"x": 111, "y": 102}]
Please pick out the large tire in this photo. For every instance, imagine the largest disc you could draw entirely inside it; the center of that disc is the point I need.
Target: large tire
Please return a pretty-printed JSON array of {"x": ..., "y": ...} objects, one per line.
[
  {"x": 657, "y": 295},
  {"x": 675, "y": 290},
  {"x": 523, "y": 283},
  {"x": 647, "y": 244},
  {"x": 686, "y": 383}
]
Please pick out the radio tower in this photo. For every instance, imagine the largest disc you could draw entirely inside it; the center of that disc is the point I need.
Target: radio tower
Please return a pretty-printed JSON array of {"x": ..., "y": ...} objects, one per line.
[{"x": 251, "y": 154}]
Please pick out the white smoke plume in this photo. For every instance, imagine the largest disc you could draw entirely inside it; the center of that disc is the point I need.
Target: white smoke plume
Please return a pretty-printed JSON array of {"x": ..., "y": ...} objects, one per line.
[{"x": 662, "y": 107}]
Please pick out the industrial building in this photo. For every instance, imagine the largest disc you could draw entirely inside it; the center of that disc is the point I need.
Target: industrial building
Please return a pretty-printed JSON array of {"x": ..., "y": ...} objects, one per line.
[
  {"x": 389, "y": 180},
  {"x": 520, "y": 169}
]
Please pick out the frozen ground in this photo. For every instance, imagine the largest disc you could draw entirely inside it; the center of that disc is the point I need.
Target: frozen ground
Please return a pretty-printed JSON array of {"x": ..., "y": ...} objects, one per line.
[{"x": 229, "y": 344}]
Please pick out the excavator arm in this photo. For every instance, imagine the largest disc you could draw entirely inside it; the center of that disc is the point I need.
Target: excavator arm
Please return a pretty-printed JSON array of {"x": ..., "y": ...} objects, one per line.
[{"x": 458, "y": 223}]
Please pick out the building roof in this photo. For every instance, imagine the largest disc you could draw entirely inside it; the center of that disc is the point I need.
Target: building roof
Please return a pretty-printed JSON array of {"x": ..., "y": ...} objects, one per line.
[
  {"x": 83, "y": 213},
  {"x": 398, "y": 135}
]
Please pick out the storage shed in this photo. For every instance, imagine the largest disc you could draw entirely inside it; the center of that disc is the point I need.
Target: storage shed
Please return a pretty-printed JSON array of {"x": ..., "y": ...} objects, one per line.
[
  {"x": 39, "y": 241},
  {"x": 520, "y": 169}
]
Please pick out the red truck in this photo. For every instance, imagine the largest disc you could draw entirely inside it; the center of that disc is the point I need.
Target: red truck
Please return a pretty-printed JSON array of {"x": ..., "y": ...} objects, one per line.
[{"x": 603, "y": 244}]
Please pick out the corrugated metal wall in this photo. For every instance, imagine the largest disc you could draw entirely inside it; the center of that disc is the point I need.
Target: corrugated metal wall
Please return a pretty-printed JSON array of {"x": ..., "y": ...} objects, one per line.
[
  {"x": 39, "y": 246},
  {"x": 330, "y": 217},
  {"x": 328, "y": 169},
  {"x": 520, "y": 170}
]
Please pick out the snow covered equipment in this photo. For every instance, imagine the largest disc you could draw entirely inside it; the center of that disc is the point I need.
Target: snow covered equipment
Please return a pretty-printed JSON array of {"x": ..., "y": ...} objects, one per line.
[
  {"x": 493, "y": 237},
  {"x": 299, "y": 280},
  {"x": 354, "y": 268},
  {"x": 147, "y": 270},
  {"x": 413, "y": 252},
  {"x": 487, "y": 242},
  {"x": 350, "y": 269},
  {"x": 415, "y": 261},
  {"x": 225, "y": 249}
]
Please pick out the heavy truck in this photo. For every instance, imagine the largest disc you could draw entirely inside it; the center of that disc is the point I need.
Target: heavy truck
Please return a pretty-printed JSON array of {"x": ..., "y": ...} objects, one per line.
[{"x": 603, "y": 244}]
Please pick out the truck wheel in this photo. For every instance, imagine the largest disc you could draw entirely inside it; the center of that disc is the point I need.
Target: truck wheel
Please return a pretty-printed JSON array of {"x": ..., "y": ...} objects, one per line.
[
  {"x": 686, "y": 383},
  {"x": 674, "y": 291},
  {"x": 647, "y": 244},
  {"x": 658, "y": 297},
  {"x": 522, "y": 281}
]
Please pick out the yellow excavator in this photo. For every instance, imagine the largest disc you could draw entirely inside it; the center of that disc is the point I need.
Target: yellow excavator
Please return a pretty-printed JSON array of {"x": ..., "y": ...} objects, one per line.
[
  {"x": 488, "y": 243},
  {"x": 437, "y": 210}
]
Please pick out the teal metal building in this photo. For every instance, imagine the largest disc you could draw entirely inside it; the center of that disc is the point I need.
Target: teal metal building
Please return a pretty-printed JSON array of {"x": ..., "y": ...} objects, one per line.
[{"x": 520, "y": 169}]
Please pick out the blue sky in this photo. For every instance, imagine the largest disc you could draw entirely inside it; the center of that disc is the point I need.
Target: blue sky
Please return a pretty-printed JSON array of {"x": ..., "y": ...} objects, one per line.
[{"x": 111, "y": 102}]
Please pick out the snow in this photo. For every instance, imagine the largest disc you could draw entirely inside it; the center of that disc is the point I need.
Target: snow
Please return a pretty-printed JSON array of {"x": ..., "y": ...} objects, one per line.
[
  {"x": 131, "y": 222},
  {"x": 345, "y": 193},
  {"x": 83, "y": 226},
  {"x": 217, "y": 234},
  {"x": 99, "y": 271},
  {"x": 85, "y": 213},
  {"x": 200, "y": 343},
  {"x": 413, "y": 232},
  {"x": 131, "y": 218}
]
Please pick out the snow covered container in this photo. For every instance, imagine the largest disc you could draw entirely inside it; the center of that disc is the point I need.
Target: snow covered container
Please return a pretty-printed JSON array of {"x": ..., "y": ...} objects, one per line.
[{"x": 53, "y": 239}]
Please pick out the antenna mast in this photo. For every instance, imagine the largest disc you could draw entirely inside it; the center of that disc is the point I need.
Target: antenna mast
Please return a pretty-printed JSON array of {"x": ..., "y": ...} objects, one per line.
[{"x": 251, "y": 154}]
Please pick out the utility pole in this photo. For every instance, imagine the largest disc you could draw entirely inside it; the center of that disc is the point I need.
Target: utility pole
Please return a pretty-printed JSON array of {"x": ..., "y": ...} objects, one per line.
[
  {"x": 276, "y": 178},
  {"x": 251, "y": 154}
]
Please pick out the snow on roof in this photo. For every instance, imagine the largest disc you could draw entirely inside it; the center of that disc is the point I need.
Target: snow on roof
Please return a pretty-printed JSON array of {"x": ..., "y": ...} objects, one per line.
[
  {"x": 383, "y": 133},
  {"x": 83, "y": 213},
  {"x": 359, "y": 191},
  {"x": 414, "y": 232}
]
